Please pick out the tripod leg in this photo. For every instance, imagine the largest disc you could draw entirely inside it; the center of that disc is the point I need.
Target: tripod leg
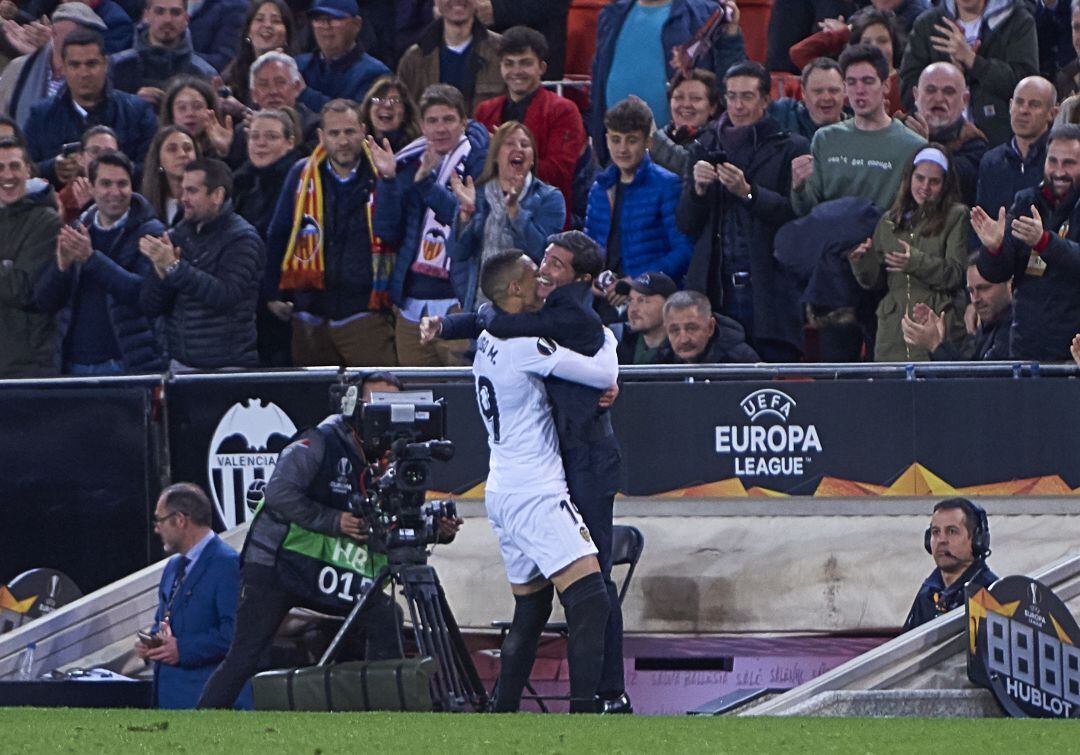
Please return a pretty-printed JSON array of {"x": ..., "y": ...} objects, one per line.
[
  {"x": 438, "y": 635},
  {"x": 362, "y": 604}
]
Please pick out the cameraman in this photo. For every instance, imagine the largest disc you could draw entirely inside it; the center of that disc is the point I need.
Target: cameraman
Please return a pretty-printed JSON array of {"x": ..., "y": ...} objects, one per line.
[
  {"x": 733, "y": 202},
  {"x": 304, "y": 528}
]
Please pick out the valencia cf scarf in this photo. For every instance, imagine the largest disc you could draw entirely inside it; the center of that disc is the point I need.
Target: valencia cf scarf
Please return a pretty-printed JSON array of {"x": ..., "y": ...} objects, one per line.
[{"x": 304, "y": 264}]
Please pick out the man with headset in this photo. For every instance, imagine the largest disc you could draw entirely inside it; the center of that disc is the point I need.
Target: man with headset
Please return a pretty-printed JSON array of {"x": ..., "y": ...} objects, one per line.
[
  {"x": 306, "y": 535},
  {"x": 959, "y": 540}
]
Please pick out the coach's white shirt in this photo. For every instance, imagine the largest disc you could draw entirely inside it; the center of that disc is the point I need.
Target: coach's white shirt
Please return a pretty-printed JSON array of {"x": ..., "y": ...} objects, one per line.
[{"x": 510, "y": 392}]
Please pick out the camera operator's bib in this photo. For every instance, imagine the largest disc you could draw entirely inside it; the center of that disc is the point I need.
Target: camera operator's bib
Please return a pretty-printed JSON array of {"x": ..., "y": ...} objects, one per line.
[{"x": 331, "y": 571}]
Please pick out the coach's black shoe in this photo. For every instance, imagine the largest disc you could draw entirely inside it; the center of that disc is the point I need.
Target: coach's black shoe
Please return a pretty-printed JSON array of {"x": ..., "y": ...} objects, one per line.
[{"x": 614, "y": 705}]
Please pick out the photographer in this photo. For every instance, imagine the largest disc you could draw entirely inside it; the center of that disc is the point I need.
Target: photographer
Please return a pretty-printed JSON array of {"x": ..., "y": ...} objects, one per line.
[
  {"x": 733, "y": 202},
  {"x": 305, "y": 527}
]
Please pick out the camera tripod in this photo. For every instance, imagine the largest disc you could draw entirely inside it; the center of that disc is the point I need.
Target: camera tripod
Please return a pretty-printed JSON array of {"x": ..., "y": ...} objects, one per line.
[{"x": 456, "y": 685}]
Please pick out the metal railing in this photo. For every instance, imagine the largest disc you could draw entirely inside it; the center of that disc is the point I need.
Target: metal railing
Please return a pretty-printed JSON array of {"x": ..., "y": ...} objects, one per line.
[{"x": 632, "y": 373}]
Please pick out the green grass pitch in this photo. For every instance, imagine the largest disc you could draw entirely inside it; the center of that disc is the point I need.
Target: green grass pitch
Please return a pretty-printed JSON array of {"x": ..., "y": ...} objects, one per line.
[{"x": 122, "y": 731}]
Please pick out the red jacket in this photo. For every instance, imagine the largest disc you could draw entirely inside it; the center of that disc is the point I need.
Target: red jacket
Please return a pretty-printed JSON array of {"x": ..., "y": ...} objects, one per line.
[{"x": 556, "y": 125}]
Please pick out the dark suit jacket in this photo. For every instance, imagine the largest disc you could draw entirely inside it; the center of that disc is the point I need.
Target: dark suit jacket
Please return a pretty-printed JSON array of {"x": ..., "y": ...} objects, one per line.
[{"x": 203, "y": 616}]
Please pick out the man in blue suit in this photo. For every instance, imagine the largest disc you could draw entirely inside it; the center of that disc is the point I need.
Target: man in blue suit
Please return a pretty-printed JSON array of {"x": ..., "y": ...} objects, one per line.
[{"x": 196, "y": 611}]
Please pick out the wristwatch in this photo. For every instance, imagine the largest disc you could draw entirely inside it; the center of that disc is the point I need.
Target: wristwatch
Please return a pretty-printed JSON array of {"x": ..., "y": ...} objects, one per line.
[{"x": 172, "y": 267}]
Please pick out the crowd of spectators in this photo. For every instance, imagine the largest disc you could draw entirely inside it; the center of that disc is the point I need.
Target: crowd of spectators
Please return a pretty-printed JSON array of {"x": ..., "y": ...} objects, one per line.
[{"x": 206, "y": 184}]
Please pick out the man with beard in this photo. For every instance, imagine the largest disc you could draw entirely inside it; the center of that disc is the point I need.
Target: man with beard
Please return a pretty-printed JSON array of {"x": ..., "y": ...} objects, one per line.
[
  {"x": 340, "y": 309},
  {"x": 1037, "y": 246},
  {"x": 162, "y": 50},
  {"x": 959, "y": 540}
]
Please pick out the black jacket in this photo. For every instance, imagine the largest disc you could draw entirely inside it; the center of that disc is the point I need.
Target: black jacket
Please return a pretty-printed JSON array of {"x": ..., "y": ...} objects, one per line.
[
  {"x": 121, "y": 271},
  {"x": 209, "y": 301},
  {"x": 145, "y": 65},
  {"x": 935, "y": 599},
  {"x": 1002, "y": 173},
  {"x": 721, "y": 220},
  {"x": 989, "y": 344},
  {"x": 814, "y": 250},
  {"x": 256, "y": 190},
  {"x": 346, "y": 243},
  {"x": 728, "y": 344},
  {"x": 1046, "y": 308}
]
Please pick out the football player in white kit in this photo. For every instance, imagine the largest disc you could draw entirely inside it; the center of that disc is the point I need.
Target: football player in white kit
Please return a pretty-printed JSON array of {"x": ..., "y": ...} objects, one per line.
[{"x": 541, "y": 535}]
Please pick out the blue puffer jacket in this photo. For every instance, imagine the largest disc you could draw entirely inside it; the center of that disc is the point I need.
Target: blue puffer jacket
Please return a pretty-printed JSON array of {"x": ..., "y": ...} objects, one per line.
[
  {"x": 649, "y": 240},
  {"x": 350, "y": 76},
  {"x": 55, "y": 122},
  {"x": 542, "y": 213},
  {"x": 400, "y": 204},
  {"x": 687, "y": 16},
  {"x": 121, "y": 270},
  {"x": 215, "y": 30}
]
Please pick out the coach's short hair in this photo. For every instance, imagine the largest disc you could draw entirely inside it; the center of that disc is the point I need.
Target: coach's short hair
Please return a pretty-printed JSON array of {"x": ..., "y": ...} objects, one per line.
[
  {"x": 689, "y": 300},
  {"x": 497, "y": 272},
  {"x": 190, "y": 500},
  {"x": 584, "y": 252}
]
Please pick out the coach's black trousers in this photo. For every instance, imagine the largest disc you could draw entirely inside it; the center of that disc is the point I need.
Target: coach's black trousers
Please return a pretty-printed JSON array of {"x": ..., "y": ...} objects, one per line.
[{"x": 592, "y": 477}]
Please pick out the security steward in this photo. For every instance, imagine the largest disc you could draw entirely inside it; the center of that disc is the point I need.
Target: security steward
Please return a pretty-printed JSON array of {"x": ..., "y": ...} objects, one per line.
[
  {"x": 959, "y": 540},
  {"x": 305, "y": 547}
]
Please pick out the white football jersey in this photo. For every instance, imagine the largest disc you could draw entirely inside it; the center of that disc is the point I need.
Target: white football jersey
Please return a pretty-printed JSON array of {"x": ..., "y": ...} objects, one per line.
[{"x": 513, "y": 403}]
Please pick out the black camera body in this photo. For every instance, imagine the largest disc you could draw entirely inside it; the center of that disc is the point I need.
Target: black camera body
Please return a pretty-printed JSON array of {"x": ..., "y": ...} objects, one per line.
[{"x": 404, "y": 439}]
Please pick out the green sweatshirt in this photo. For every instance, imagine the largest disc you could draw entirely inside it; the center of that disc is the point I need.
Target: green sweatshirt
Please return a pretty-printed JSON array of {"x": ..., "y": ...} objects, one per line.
[{"x": 853, "y": 163}]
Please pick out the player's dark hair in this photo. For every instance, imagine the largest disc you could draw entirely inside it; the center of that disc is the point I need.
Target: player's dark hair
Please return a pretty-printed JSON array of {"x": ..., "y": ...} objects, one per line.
[
  {"x": 585, "y": 252},
  {"x": 497, "y": 272},
  {"x": 190, "y": 500}
]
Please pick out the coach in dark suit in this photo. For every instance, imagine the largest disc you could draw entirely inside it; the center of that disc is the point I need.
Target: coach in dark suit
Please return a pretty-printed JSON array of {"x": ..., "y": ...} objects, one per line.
[{"x": 196, "y": 611}]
